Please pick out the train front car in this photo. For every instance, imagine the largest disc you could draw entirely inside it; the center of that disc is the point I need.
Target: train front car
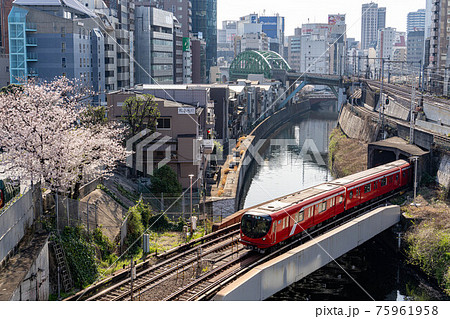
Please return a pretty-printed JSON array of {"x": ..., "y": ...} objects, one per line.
[{"x": 255, "y": 231}]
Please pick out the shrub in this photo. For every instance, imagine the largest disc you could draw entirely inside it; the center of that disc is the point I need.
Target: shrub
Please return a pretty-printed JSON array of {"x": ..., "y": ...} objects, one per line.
[
  {"x": 135, "y": 229},
  {"x": 104, "y": 245},
  {"x": 165, "y": 180},
  {"x": 80, "y": 254}
]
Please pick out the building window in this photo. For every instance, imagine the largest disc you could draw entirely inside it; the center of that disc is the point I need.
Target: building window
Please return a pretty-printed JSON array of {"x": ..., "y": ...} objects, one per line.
[
  {"x": 63, "y": 32},
  {"x": 63, "y": 62},
  {"x": 63, "y": 47},
  {"x": 163, "y": 123}
]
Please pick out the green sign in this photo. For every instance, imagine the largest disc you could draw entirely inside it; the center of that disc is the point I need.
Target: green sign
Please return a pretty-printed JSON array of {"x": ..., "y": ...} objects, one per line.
[{"x": 186, "y": 44}]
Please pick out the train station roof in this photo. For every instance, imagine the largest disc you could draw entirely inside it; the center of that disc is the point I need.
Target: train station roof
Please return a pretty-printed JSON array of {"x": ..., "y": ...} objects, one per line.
[{"x": 400, "y": 144}]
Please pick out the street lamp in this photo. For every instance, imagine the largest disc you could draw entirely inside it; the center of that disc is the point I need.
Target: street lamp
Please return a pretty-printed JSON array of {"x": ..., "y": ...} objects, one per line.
[{"x": 190, "y": 182}]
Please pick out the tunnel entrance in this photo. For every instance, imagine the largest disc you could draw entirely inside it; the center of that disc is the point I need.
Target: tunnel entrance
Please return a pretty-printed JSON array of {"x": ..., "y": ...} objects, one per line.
[{"x": 395, "y": 148}]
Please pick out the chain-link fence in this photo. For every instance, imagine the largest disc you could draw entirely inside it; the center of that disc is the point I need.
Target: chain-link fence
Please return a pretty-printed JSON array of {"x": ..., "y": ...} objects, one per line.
[
  {"x": 90, "y": 214},
  {"x": 175, "y": 206}
]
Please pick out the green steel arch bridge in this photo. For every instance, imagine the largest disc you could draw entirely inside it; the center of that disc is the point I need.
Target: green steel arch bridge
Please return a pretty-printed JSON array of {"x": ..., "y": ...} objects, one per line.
[
  {"x": 272, "y": 65},
  {"x": 257, "y": 62}
]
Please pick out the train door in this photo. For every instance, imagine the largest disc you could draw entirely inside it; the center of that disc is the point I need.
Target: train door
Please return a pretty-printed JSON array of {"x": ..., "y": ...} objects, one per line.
[
  {"x": 396, "y": 180},
  {"x": 274, "y": 232}
]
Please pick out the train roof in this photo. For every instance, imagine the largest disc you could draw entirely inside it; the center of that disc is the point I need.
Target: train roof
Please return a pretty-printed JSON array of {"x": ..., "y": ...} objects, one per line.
[
  {"x": 310, "y": 194},
  {"x": 286, "y": 201},
  {"x": 364, "y": 174}
]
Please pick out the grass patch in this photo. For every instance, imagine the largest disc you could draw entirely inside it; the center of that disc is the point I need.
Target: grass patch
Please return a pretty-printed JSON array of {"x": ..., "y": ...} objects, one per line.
[{"x": 345, "y": 156}]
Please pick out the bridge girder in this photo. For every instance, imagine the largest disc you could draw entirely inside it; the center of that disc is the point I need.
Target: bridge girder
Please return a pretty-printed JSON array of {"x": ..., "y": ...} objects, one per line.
[{"x": 257, "y": 62}]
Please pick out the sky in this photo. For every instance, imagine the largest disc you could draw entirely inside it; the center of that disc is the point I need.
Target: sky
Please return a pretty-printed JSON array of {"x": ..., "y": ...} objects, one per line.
[{"x": 297, "y": 12}]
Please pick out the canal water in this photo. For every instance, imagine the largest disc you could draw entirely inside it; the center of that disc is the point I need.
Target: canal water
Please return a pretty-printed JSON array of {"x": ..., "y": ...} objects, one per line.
[
  {"x": 295, "y": 159},
  {"x": 374, "y": 270}
]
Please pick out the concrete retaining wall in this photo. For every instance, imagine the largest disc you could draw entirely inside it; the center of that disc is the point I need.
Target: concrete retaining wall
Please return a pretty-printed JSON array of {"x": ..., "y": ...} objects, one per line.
[
  {"x": 437, "y": 113},
  {"x": 265, "y": 280},
  {"x": 357, "y": 126},
  {"x": 444, "y": 130},
  {"x": 13, "y": 223},
  {"x": 396, "y": 110},
  {"x": 36, "y": 284},
  {"x": 443, "y": 174}
]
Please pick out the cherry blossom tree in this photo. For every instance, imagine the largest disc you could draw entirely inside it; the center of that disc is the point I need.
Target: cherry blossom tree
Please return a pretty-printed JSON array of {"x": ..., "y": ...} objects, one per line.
[{"x": 44, "y": 140}]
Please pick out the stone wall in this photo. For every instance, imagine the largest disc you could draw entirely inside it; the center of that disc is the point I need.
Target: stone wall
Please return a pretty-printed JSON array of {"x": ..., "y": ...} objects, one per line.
[
  {"x": 443, "y": 174},
  {"x": 357, "y": 126}
]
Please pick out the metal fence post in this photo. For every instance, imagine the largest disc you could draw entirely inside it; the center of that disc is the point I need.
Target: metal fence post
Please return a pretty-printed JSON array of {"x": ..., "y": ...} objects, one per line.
[
  {"x": 67, "y": 210},
  {"x": 183, "y": 203},
  {"x": 87, "y": 212},
  {"x": 57, "y": 211}
]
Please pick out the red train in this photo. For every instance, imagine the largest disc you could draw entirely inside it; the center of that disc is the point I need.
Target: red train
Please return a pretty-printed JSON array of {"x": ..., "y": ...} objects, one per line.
[{"x": 272, "y": 223}]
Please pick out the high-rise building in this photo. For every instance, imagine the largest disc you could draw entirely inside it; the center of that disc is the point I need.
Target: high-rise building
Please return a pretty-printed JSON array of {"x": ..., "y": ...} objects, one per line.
[
  {"x": 52, "y": 38},
  {"x": 154, "y": 46},
  {"x": 182, "y": 10},
  {"x": 273, "y": 27},
  {"x": 5, "y": 8},
  {"x": 381, "y": 19},
  {"x": 204, "y": 26},
  {"x": 315, "y": 56},
  {"x": 439, "y": 43},
  {"x": 415, "y": 46},
  {"x": 428, "y": 14},
  {"x": 118, "y": 29},
  {"x": 416, "y": 21},
  {"x": 372, "y": 19},
  {"x": 294, "y": 52},
  {"x": 338, "y": 41},
  {"x": 177, "y": 52},
  {"x": 198, "y": 61}
]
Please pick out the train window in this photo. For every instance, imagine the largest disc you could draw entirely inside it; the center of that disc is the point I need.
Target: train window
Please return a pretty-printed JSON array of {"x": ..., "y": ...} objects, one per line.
[
  {"x": 322, "y": 207},
  {"x": 255, "y": 226},
  {"x": 367, "y": 188},
  {"x": 383, "y": 182},
  {"x": 341, "y": 199},
  {"x": 375, "y": 185},
  {"x": 350, "y": 195},
  {"x": 279, "y": 222},
  {"x": 390, "y": 179},
  {"x": 396, "y": 177},
  {"x": 300, "y": 216}
]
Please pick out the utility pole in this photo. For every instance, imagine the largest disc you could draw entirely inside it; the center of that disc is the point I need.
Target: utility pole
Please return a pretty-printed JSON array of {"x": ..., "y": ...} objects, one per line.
[
  {"x": 190, "y": 182},
  {"x": 132, "y": 274},
  {"x": 411, "y": 120},
  {"x": 381, "y": 110}
]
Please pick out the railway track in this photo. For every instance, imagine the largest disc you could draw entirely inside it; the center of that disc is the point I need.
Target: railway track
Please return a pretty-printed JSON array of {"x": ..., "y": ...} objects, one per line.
[
  {"x": 148, "y": 275},
  {"x": 205, "y": 287},
  {"x": 181, "y": 274}
]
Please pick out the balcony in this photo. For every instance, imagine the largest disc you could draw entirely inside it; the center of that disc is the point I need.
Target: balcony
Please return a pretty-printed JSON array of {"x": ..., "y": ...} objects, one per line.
[
  {"x": 30, "y": 27},
  {"x": 32, "y": 57},
  {"x": 33, "y": 72},
  {"x": 31, "y": 42}
]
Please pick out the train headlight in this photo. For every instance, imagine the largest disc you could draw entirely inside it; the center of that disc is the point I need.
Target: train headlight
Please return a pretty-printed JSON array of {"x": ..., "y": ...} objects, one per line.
[{"x": 264, "y": 238}]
